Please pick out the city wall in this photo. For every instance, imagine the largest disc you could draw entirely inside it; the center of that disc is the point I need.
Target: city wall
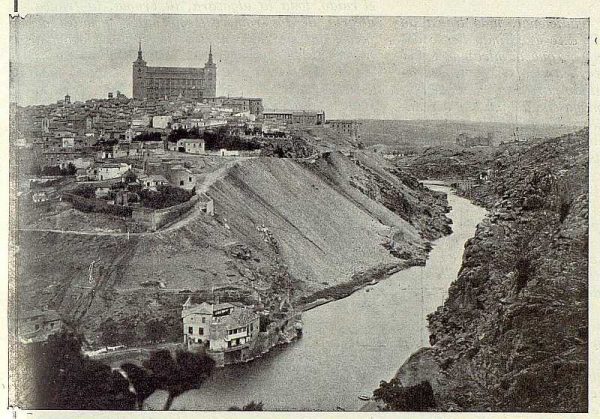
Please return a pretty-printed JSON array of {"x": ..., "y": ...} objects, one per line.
[
  {"x": 153, "y": 219},
  {"x": 96, "y": 205}
]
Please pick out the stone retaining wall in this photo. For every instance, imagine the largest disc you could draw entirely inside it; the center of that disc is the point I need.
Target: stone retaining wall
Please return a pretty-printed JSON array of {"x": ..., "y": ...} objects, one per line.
[{"x": 154, "y": 219}]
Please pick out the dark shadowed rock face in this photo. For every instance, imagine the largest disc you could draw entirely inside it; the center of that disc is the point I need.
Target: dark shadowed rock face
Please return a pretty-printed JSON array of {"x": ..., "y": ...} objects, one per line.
[{"x": 513, "y": 334}]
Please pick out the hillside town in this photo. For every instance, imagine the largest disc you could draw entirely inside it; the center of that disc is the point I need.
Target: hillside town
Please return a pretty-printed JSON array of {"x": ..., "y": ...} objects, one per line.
[{"x": 143, "y": 163}]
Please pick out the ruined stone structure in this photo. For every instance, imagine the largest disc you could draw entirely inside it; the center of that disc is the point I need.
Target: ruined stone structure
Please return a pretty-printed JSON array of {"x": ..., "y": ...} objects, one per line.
[
  {"x": 171, "y": 82},
  {"x": 347, "y": 127},
  {"x": 466, "y": 140}
]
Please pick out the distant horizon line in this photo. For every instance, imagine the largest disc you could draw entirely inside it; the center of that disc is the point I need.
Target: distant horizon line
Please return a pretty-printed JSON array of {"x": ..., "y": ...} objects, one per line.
[{"x": 468, "y": 121}]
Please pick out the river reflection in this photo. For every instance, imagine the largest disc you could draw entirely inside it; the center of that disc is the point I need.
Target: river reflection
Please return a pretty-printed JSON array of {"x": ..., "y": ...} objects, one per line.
[{"x": 348, "y": 345}]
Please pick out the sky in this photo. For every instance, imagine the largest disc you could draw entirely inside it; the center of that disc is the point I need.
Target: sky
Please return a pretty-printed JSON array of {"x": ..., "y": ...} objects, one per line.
[{"x": 531, "y": 70}]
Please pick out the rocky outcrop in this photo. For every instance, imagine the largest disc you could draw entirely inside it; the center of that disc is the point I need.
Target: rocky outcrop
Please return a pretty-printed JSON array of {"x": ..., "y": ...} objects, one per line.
[
  {"x": 294, "y": 147},
  {"x": 513, "y": 333},
  {"x": 448, "y": 162}
]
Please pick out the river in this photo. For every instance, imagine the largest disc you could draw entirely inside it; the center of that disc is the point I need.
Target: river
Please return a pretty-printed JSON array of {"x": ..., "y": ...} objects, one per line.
[{"x": 348, "y": 345}]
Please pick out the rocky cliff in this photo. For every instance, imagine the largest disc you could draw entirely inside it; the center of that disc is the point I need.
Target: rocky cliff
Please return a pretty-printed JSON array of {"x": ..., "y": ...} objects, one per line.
[{"x": 513, "y": 333}]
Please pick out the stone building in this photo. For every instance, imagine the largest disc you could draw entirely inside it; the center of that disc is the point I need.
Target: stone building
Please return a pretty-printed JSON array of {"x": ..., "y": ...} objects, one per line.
[
  {"x": 304, "y": 117},
  {"x": 238, "y": 104},
  {"x": 182, "y": 177},
  {"x": 37, "y": 325},
  {"x": 219, "y": 327},
  {"x": 465, "y": 140},
  {"x": 106, "y": 171},
  {"x": 192, "y": 145},
  {"x": 348, "y": 127},
  {"x": 172, "y": 82}
]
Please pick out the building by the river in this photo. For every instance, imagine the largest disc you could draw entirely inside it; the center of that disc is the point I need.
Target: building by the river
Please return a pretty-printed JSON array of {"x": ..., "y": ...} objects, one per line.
[
  {"x": 226, "y": 329},
  {"x": 231, "y": 332}
]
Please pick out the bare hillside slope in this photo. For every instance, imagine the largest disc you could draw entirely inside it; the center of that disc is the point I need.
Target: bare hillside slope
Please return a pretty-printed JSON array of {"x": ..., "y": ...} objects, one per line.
[{"x": 314, "y": 223}]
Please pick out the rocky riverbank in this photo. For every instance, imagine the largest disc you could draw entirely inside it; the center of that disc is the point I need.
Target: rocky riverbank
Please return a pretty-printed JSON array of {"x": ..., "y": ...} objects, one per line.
[{"x": 513, "y": 333}]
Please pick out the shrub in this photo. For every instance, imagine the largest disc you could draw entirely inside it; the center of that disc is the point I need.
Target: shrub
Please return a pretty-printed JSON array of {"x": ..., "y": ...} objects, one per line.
[
  {"x": 120, "y": 332},
  {"x": 148, "y": 136},
  {"x": 86, "y": 191},
  {"x": 564, "y": 209},
  {"x": 417, "y": 398},
  {"x": 155, "y": 330},
  {"x": 524, "y": 271},
  {"x": 250, "y": 407},
  {"x": 533, "y": 202},
  {"x": 165, "y": 196},
  {"x": 109, "y": 332},
  {"x": 56, "y": 375}
]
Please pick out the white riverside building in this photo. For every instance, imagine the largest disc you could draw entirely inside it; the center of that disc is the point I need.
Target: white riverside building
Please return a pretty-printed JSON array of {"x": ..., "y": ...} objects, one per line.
[{"x": 230, "y": 332}]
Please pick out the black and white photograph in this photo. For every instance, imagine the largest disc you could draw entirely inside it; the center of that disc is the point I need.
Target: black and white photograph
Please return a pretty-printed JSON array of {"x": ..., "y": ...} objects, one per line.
[{"x": 298, "y": 212}]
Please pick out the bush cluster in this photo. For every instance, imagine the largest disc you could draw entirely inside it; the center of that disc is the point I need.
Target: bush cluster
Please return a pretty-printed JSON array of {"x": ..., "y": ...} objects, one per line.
[
  {"x": 148, "y": 136},
  {"x": 165, "y": 196},
  {"x": 215, "y": 139},
  {"x": 417, "y": 398},
  {"x": 85, "y": 204},
  {"x": 54, "y": 170}
]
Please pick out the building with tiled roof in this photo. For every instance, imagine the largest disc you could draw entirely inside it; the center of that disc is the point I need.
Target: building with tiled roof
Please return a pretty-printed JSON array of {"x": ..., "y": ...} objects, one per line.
[{"x": 219, "y": 327}]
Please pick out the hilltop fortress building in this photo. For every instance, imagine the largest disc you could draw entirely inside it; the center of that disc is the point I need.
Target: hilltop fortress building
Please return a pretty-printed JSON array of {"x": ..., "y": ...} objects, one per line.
[{"x": 169, "y": 82}]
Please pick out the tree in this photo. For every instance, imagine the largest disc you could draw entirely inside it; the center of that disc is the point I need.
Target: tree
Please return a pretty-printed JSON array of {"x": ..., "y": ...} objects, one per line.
[
  {"x": 253, "y": 406},
  {"x": 109, "y": 332},
  {"x": 177, "y": 134},
  {"x": 129, "y": 177},
  {"x": 86, "y": 191},
  {"x": 417, "y": 398},
  {"x": 59, "y": 376},
  {"x": 52, "y": 171},
  {"x": 155, "y": 330},
  {"x": 165, "y": 196},
  {"x": 141, "y": 380},
  {"x": 69, "y": 170},
  {"x": 176, "y": 375},
  {"x": 148, "y": 136},
  {"x": 250, "y": 407}
]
